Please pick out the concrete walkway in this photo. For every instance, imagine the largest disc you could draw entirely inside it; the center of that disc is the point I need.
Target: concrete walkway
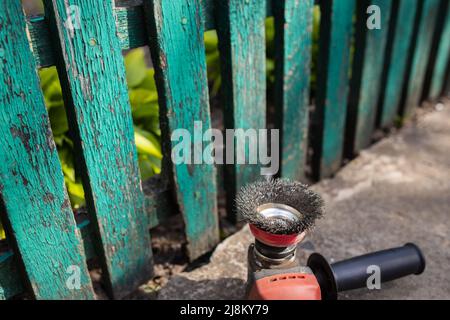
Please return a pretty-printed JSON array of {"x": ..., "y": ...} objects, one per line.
[{"x": 397, "y": 191}]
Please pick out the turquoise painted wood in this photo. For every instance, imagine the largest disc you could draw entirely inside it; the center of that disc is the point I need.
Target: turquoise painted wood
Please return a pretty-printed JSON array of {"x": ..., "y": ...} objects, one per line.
[
  {"x": 178, "y": 53},
  {"x": 130, "y": 25},
  {"x": 92, "y": 75},
  {"x": 293, "y": 20},
  {"x": 442, "y": 60},
  {"x": 38, "y": 214},
  {"x": 240, "y": 27},
  {"x": 421, "y": 55},
  {"x": 159, "y": 206},
  {"x": 370, "y": 45},
  {"x": 397, "y": 63},
  {"x": 332, "y": 86}
]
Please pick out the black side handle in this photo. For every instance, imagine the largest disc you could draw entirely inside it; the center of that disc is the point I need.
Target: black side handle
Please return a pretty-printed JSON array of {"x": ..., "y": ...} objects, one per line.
[{"x": 353, "y": 273}]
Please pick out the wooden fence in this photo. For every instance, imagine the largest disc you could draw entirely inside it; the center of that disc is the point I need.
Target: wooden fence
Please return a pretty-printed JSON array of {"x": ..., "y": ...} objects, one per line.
[{"x": 392, "y": 70}]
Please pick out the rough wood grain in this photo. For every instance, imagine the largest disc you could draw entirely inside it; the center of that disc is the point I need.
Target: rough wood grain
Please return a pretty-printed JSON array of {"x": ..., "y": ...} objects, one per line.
[
  {"x": 178, "y": 53},
  {"x": 442, "y": 59},
  {"x": 421, "y": 55},
  {"x": 92, "y": 75},
  {"x": 327, "y": 131},
  {"x": 131, "y": 29},
  {"x": 293, "y": 38},
  {"x": 240, "y": 27},
  {"x": 367, "y": 70},
  {"x": 38, "y": 214},
  {"x": 159, "y": 207},
  {"x": 399, "y": 45}
]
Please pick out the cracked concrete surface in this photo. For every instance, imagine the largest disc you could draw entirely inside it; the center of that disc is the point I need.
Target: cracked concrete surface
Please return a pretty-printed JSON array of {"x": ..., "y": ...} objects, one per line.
[{"x": 397, "y": 191}]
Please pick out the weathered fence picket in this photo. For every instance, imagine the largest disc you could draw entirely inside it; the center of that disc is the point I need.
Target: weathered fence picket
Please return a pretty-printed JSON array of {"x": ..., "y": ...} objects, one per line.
[
  {"x": 33, "y": 195},
  {"x": 178, "y": 52},
  {"x": 442, "y": 59},
  {"x": 332, "y": 86},
  {"x": 46, "y": 241},
  {"x": 293, "y": 38},
  {"x": 240, "y": 27},
  {"x": 92, "y": 75},
  {"x": 427, "y": 22},
  {"x": 367, "y": 69},
  {"x": 396, "y": 65}
]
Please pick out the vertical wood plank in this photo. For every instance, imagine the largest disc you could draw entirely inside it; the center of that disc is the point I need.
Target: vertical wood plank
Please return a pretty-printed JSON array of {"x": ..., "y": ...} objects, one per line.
[
  {"x": 398, "y": 63},
  {"x": 421, "y": 54},
  {"x": 240, "y": 27},
  {"x": 92, "y": 74},
  {"x": 178, "y": 53},
  {"x": 327, "y": 131},
  {"x": 367, "y": 70},
  {"x": 370, "y": 45},
  {"x": 293, "y": 37},
  {"x": 38, "y": 215},
  {"x": 442, "y": 59}
]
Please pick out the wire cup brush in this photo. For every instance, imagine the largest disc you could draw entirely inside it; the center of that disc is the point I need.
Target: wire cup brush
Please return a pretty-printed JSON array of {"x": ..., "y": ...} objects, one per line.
[{"x": 280, "y": 212}]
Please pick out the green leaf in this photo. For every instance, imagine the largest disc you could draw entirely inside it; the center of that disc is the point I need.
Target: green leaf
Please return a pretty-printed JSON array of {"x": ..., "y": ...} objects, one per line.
[
  {"x": 58, "y": 120},
  {"x": 149, "y": 81},
  {"x": 66, "y": 159},
  {"x": 145, "y": 167},
  {"x": 211, "y": 41},
  {"x": 76, "y": 193},
  {"x": 146, "y": 143},
  {"x": 2, "y": 232},
  {"x": 48, "y": 76},
  {"x": 136, "y": 68},
  {"x": 144, "y": 103}
]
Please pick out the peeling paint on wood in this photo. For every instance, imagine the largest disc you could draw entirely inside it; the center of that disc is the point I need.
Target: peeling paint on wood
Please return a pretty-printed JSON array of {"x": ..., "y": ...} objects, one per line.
[
  {"x": 92, "y": 75},
  {"x": 293, "y": 38},
  {"x": 159, "y": 206},
  {"x": 367, "y": 70},
  {"x": 332, "y": 86},
  {"x": 397, "y": 65},
  {"x": 176, "y": 42},
  {"x": 240, "y": 27},
  {"x": 31, "y": 180},
  {"x": 442, "y": 59},
  {"x": 421, "y": 55}
]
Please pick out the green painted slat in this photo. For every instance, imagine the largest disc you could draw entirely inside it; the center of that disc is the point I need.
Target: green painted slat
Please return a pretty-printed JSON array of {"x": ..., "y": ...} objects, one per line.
[
  {"x": 92, "y": 75},
  {"x": 442, "y": 59},
  {"x": 293, "y": 38},
  {"x": 131, "y": 30},
  {"x": 367, "y": 70},
  {"x": 240, "y": 27},
  {"x": 327, "y": 128},
  {"x": 420, "y": 57},
  {"x": 38, "y": 214},
  {"x": 176, "y": 42},
  {"x": 397, "y": 64},
  {"x": 159, "y": 207}
]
